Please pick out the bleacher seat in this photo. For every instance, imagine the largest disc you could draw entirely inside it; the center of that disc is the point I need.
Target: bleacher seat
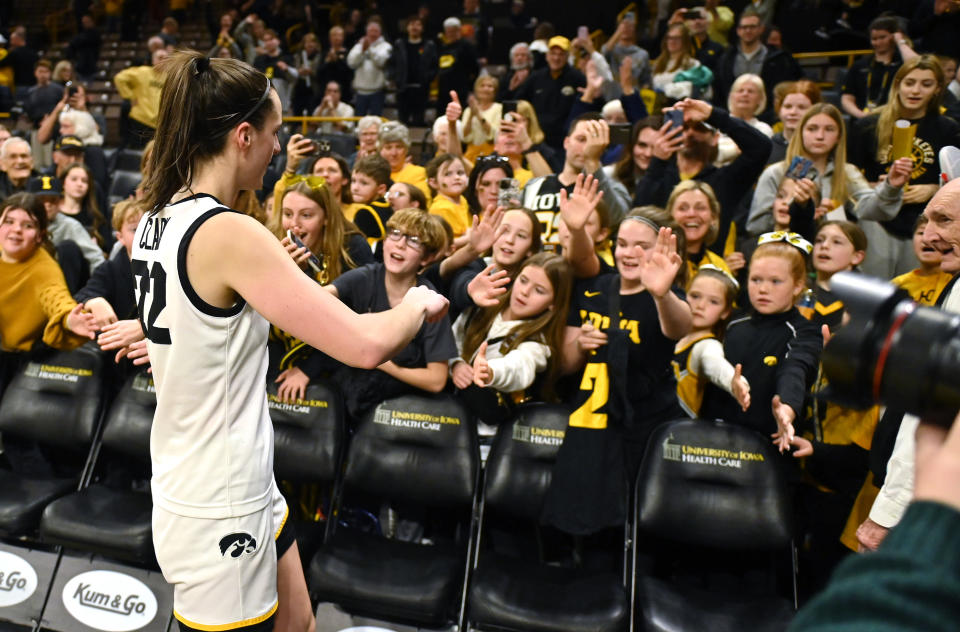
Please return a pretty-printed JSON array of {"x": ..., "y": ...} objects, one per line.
[
  {"x": 714, "y": 519},
  {"x": 509, "y": 593},
  {"x": 113, "y": 519},
  {"x": 122, "y": 184},
  {"x": 412, "y": 450},
  {"x": 308, "y": 435},
  {"x": 127, "y": 160},
  {"x": 56, "y": 401}
]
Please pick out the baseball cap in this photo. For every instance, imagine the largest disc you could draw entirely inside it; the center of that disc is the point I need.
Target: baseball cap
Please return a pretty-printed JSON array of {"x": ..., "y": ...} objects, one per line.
[
  {"x": 69, "y": 143},
  {"x": 559, "y": 40},
  {"x": 45, "y": 185}
]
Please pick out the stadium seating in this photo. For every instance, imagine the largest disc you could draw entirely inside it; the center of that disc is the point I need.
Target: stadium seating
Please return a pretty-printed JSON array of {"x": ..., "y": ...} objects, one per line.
[
  {"x": 508, "y": 593},
  {"x": 412, "y": 451},
  {"x": 56, "y": 400},
  {"x": 714, "y": 523}
]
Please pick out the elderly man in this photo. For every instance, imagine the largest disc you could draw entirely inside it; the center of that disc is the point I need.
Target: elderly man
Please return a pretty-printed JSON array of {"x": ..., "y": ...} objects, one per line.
[
  {"x": 521, "y": 64},
  {"x": 903, "y": 585},
  {"x": 16, "y": 162},
  {"x": 368, "y": 58},
  {"x": 333, "y": 106},
  {"x": 552, "y": 90}
]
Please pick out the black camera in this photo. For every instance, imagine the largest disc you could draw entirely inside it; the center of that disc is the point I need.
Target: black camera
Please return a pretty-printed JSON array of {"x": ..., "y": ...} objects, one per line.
[{"x": 893, "y": 352}]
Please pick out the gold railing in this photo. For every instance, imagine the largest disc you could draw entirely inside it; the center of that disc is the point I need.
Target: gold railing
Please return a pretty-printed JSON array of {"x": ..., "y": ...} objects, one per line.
[
  {"x": 851, "y": 55},
  {"x": 306, "y": 120}
]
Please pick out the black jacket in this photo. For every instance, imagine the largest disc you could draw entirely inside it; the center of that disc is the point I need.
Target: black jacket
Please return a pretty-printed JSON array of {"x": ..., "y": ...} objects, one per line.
[
  {"x": 428, "y": 62},
  {"x": 552, "y": 99},
  {"x": 730, "y": 182},
  {"x": 112, "y": 280},
  {"x": 778, "y": 66}
]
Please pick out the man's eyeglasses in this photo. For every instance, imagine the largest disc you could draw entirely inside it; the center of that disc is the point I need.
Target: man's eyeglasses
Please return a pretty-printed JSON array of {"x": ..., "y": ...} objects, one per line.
[{"x": 413, "y": 241}]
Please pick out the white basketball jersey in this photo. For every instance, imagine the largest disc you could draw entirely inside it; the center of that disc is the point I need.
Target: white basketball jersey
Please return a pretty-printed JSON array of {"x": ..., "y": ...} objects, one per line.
[{"x": 212, "y": 440}]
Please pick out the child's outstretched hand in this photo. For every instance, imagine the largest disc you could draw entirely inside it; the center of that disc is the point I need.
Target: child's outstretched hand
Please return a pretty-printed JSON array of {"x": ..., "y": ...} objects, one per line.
[
  {"x": 575, "y": 209},
  {"x": 486, "y": 288},
  {"x": 740, "y": 388},
  {"x": 784, "y": 416},
  {"x": 660, "y": 267},
  {"x": 482, "y": 374},
  {"x": 590, "y": 337}
]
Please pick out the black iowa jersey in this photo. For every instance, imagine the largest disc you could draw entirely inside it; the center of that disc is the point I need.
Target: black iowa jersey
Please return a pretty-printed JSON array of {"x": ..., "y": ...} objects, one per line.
[
  {"x": 649, "y": 381},
  {"x": 542, "y": 196}
]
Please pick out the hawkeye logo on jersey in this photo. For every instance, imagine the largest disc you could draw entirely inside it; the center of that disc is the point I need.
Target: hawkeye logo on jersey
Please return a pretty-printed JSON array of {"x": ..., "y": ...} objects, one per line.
[
  {"x": 107, "y": 600},
  {"x": 18, "y": 579},
  {"x": 152, "y": 232},
  {"x": 237, "y": 544}
]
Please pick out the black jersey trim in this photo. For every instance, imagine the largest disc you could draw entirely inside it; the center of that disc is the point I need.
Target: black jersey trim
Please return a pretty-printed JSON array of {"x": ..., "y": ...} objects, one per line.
[{"x": 199, "y": 303}]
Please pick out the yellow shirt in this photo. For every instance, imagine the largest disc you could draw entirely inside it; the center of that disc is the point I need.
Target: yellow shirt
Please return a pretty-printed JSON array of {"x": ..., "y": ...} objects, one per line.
[
  {"x": 923, "y": 288},
  {"x": 142, "y": 86},
  {"x": 522, "y": 175},
  {"x": 456, "y": 213},
  {"x": 34, "y": 304},
  {"x": 708, "y": 257},
  {"x": 415, "y": 175}
]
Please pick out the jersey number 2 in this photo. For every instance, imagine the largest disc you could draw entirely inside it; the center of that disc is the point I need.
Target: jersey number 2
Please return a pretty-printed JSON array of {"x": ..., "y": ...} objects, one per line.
[
  {"x": 597, "y": 383},
  {"x": 155, "y": 276}
]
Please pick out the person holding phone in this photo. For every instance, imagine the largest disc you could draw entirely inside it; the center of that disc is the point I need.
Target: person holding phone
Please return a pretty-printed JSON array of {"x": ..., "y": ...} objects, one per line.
[{"x": 210, "y": 280}]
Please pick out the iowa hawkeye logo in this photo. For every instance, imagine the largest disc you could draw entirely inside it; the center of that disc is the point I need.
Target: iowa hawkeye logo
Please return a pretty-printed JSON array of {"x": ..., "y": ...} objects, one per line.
[{"x": 237, "y": 544}]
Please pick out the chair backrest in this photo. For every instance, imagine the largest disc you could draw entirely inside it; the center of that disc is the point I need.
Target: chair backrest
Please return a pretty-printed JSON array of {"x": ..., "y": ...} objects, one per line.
[
  {"x": 343, "y": 144},
  {"x": 520, "y": 466},
  {"x": 416, "y": 448},
  {"x": 130, "y": 418},
  {"x": 123, "y": 182},
  {"x": 308, "y": 434},
  {"x": 714, "y": 484},
  {"x": 55, "y": 399}
]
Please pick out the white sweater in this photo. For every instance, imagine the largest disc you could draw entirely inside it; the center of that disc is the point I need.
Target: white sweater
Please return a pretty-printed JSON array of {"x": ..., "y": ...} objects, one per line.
[
  {"x": 517, "y": 369},
  {"x": 369, "y": 65}
]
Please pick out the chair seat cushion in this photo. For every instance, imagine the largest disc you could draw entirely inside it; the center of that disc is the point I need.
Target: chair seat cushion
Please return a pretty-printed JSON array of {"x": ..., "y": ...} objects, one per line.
[
  {"x": 112, "y": 522},
  {"x": 22, "y": 500},
  {"x": 398, "y": 581},
  {"x": 667, "y": 608},
  {"x": 518, "y": 595}
]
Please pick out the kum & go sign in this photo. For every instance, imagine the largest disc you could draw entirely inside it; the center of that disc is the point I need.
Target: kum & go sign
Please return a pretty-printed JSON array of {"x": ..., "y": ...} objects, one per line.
[
  {"x": 18, "y": 580},
  {"x": 110, "y": 601}
]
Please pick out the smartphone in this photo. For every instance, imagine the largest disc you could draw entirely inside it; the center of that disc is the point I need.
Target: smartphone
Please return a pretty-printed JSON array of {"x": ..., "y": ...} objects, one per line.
[
  {"x": 509, "y": 106},
  {"x": 508, "y": 195},
  {"x": 675, "y": 117},
  {"x": 583, "y": 32},
  {"x": 800, "y": 168},
  {"x": 314, "y": 261},
  {"x": 692, "y": 14},
  {"x": 72, "y": 88},
  {"x": 620, "y": 134}
]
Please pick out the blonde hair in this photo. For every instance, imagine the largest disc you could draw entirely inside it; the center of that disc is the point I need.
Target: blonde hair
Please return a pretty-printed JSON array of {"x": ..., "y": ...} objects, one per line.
[
  {"x": 838, "y": 184},
  {"x": 757, "y": 83},
  {"x": 783, "y": 250},
  {"x": 662, "y": 62},
  {"x": 124, "y": 211},
  {"x": 892, "y": 111},
  {"x": 534, "y": 131},
  {"x": 696, "y": 185},
  {"x": 332, "y": 245}
]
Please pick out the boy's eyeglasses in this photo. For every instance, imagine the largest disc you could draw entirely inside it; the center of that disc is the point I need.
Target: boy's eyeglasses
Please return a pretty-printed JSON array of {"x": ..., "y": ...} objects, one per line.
[
  {"x": 791, "y": 238},
  {"x": 413, "y": 241}
]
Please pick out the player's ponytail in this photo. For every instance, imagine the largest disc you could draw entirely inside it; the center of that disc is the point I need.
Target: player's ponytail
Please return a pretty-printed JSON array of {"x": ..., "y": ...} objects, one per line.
[{"x": 201, "y": 101}]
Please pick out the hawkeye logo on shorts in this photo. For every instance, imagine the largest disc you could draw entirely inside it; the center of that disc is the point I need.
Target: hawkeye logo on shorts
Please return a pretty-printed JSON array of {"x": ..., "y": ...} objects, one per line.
[{"x": 237, "y": 544}]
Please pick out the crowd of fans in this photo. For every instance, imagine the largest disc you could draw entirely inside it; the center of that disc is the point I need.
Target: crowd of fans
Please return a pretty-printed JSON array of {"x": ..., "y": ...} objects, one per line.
[{"x": 643, "y": 227}]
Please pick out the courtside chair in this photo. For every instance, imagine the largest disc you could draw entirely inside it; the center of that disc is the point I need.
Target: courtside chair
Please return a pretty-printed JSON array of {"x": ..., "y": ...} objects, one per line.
[
  {"x": 508, "y": 592},
  {"x": 112, "y": 515},
  {"x": 414, "y": 451},
  {"x": 714, "y": 528},
  {"x": 55, "y": 400}
]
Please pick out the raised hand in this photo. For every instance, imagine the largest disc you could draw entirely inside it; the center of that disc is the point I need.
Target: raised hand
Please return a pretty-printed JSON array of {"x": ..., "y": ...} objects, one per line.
[
  {"x": 120, "y": 334},
  {"x": 484, "y": 232},
  {"x": 694, "y": 110},
  {"x": 482, "y": 375},
  {"x": 82, "y": 323},
  {"x": 740, "y": 388},
  {"x": 575, "y": 209},
  {"x": 454, "y": 109},
  {"x": 298, "y": 147},
  {"x": 300, "y": 255},
  {"x": 668, "y": 142},
  {"x": 486, "y": 288},
  {"x": 900, "y": 172},
  {"x": 659, "y": 267}
]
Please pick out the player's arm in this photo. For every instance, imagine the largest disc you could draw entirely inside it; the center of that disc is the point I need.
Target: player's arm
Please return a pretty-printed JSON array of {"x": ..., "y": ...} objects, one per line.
[{"x": 232, "y": 254}]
